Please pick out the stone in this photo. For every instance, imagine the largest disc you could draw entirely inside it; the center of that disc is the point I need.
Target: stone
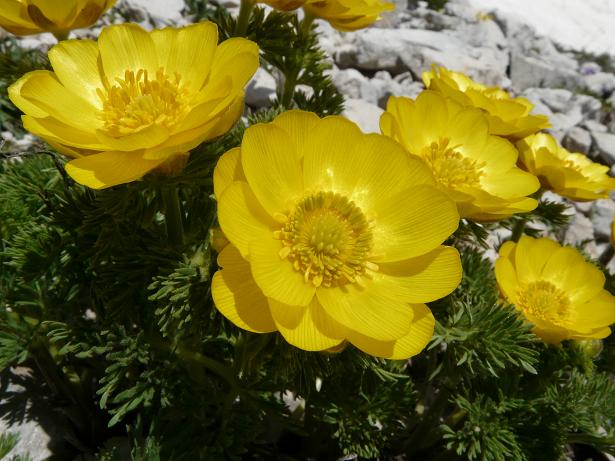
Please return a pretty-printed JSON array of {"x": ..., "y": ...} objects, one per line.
[
  {"x": 601, "y": 216},
  {"x": 417, "y": 50},
  {"x": 528, "y": 72},
  {"x": 261, "y": 90},
  {"x": 353, "y": 84},
  {"x": 364, "y": 114},
  {"x": 577, "y": 139},
  {"x": 565, "y": 109},
  {"x": 601, "y": 84},
  {"x": 604, "y": 146}
]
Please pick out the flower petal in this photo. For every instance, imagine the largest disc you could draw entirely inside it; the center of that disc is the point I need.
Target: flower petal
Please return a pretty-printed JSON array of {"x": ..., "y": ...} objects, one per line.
[
  {"x": 126, "y": 47},
  {"x": 271, "y": 166},
  {"x": 374, "y": 310},
  {"x": 366, "y": 168},
  {"x": 421, "y": 332},
  {"x": 413, "y": 222},
  {"x": 237, "y": 296},
  {"x": 227, "y": 171},
  {"x": 76, "y": 64},
  {"x": 298, "y": 124},
  {"x": 425, "y": 278},
  {"x": 109, "y": 169},
  {"x": 307, "y": 327},
  {"x": 242, "y": 218},
  {"x": 276, "y": 276},
  {"x": 188, "y": 51}
]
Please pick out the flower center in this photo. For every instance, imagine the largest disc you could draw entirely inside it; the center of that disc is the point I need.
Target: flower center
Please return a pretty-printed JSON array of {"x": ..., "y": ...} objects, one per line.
[
  {"x": 544, "y": 301},
  {"x": 328, "y": 239},
  {"x": 450, "y": 168},
  {"x": 140, "y": 100}
]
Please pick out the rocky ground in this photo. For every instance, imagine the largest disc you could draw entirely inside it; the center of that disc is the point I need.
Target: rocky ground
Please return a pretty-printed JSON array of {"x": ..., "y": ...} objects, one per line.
[{"x": 575, "y": 89}]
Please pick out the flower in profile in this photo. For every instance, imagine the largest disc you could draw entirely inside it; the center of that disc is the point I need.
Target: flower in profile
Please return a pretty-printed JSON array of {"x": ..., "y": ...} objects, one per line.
[
  {"x": 508, "y": 117},
  {"x": 27, "y": 17},
  {"x": 476, "y": 169},
  {"x": 334, "y": 236},
  {"x": 136, "y": 101},
  {"x": 571, "y": 175},
  {"x": 555, "y": 289},
  {"x": 285, "y": 5},
  {"x": 348, "y": 15}
]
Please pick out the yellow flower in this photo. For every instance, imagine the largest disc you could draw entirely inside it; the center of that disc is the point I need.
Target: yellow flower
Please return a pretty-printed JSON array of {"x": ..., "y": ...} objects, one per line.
[
  {"x": 335, "y": 235},
  {"x": 476, "y": 169},
  {"x": 570, "y": 175},
  {"x": 508, "y": 117},
  {"x": 285, "y": 5},
  {"x": 136, "y": 100},
  {"x": 555, "y": 289},
  {"x": 26, "y": 17},
  {"x": 347, "y": 15}
]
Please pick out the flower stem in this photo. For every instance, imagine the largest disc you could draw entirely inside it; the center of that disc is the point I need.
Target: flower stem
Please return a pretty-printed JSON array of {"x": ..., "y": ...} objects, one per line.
[
  {"x": 517, "y": 230},
  {"x": 243, "y": 20},
  {"x": 289, "y": 89},
  {"x": 173, "y": 215},
  {"x": 61, "y": 36},
  {"x": 306, "y": 24}
]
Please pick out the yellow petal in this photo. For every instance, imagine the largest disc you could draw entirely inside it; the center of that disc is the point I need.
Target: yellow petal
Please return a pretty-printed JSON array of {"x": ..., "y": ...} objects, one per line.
[
  {"x": 597, "y": 312},
  {"x": 188, "y": 51},
  {"x": 307, "y": 327},
  {"x": 366, "y": 168},
  {"x": 145, "y": 138},
  {"x": 43, "y": 90},
  {"x": 22, "y": 103},
  {"x": 126, "y": 47},
  {"x": 228, "y": 170},
  {"x": 236, "y": 295},
  {"x": 242, "y": 218},
  {"x": 53, "y": 130},
  {"x": 425, "y": 278},
  {"x": 374, "y": 310},
  {"x": 531, "y": 257},
  {"x": 237, "y": 58},
  {"x": 421, "y": 332},
  {"x": 507, "y": 278},
  {"x": 76, "y": 65},
  {"x": 275, "y": 276},
  {"x": 272, "y": 166},
  {"x": 109, "y": 169},
  {"x": 298, "y": 124},
  {"x": 413, "y": 222}
]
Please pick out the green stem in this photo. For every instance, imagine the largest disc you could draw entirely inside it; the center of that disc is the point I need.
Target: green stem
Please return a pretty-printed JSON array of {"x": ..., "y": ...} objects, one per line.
[
  {"x": 173, "y": 215},
  {"x": 306, "y": 24},
  {"x": 289, "y": 89},
  {"x": 61, "y": 36},
  {"x": 243, "y": 20},
  {"x": 518, "y": 229}
]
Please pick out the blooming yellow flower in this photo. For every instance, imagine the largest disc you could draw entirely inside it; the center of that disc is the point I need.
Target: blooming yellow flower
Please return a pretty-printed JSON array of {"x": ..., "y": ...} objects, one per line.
[
  {"x": 136, "y": 100},
  {"x": 555, "y": 289},
  {"x": 334, "y": 235},
  {"x": 508, "y": 117},
  {"x": 26, "y": 17},
  {"x": 347, "y": 15},
  {"x": 477, "y": 170},
  {"x": 570, "y": 175},
  {"x": 285, "y": 5}
]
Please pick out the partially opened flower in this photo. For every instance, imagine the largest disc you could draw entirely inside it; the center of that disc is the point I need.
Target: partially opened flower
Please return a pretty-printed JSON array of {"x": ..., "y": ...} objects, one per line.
[
  {"x": 347, "y": 15},
  {"x": 136, "y": 100},
  {"x": 507, "y": 116},
  {"x": 477, "y": 170},
  {"x": 285, "y": 5},
  {"x": 555, "y": 289},
  {"x": 570, "y": 175},
  {"x": 334, "y": 236},
  {"x": 26, "y": 17}
]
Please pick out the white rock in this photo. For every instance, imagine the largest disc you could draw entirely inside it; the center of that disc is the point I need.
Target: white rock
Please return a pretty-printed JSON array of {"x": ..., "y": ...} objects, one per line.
[
  {"x": 601, "y": 83},
  {"x": 261, "y": 90},
  {"x": 364, "y": 114},
  {"x": 528, "y": 71},
  {"x": 601, "y": 216},
  {"x": 353, "y": 84},
  {"x": 577, "y": 139},
  {"x": 169, "y": 10},
  {"x": 580, "y": 232},
  {"x": 604, "y": 146}
]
